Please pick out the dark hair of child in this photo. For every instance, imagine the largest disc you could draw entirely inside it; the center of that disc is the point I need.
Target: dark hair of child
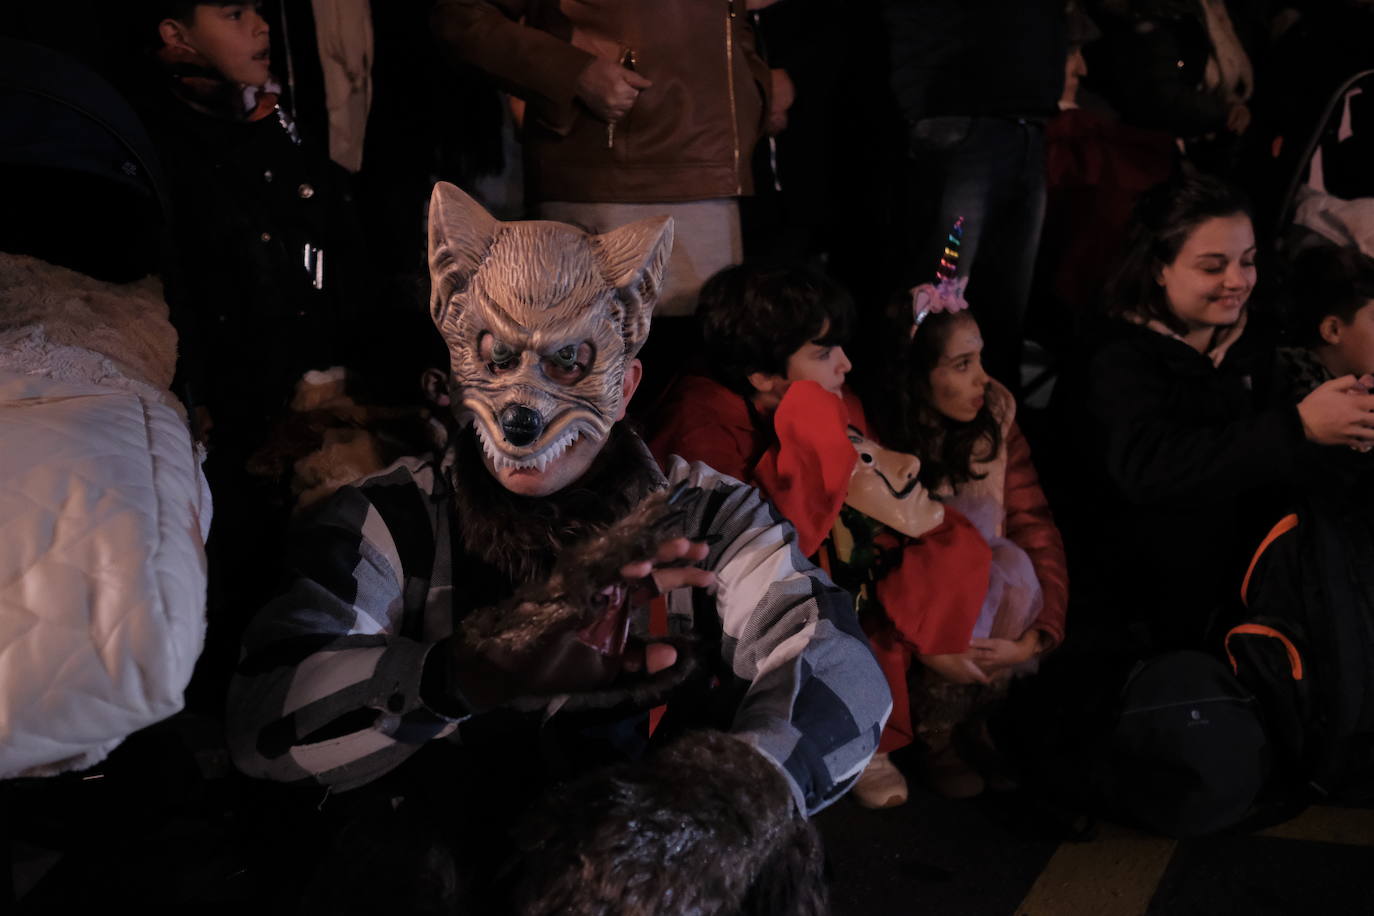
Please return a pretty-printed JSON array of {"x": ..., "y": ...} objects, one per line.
[
  {"x": 1161, "y": 222},
  {"x": 947, "y": 448},
  {"x": 1327, "y": 280},
  {"x": 756, "y": 315},
  {"x": 153, "y": 12}
]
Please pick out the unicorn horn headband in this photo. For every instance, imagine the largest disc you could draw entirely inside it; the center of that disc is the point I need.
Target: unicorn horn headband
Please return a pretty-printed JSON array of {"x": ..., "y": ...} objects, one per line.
[{"x": 947, "y": 293}]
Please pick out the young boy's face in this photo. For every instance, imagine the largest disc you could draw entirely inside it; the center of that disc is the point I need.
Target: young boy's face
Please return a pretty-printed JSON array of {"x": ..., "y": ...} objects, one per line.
[
  {"x": 1352, "y": 345},
  {"x": 232, "y": 39},
  {"x": 824, "y": 364}
]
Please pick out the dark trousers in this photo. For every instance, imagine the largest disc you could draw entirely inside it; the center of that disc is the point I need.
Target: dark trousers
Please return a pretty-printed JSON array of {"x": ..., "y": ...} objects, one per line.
[{"x": 990, "y": 171}]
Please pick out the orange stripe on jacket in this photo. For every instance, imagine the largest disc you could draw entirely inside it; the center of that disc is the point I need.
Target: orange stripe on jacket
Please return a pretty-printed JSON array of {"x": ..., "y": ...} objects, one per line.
[{"x": 1286, "y": 524}]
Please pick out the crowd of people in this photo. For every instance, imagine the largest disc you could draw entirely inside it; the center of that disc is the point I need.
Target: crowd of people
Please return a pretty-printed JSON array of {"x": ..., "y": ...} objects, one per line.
[{"x": 727, "y": 489}]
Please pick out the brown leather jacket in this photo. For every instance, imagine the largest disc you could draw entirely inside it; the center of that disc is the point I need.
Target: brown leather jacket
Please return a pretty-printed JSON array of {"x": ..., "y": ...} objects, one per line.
[{"x": 689, "y": 136}]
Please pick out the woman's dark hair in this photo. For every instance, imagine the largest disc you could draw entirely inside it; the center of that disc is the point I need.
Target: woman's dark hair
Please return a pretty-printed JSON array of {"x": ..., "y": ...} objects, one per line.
[
  {"x": 1161, "y": 222},
  {"x": 755, "y": 315},
  {"x": 947, "y": 448},
  {"x": 1327, "y": 280}
]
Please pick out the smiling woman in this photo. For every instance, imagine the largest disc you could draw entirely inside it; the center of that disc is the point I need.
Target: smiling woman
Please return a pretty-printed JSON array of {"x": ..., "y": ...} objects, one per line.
[
  {"x": 1181, "y": 450},
  {"x": 1208, "y": 283}
]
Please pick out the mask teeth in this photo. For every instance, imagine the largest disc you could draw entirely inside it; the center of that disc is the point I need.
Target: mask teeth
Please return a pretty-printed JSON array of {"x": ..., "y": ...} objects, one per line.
[
  {"x": 501, "y": 462},
  {"x": 555, "y": 451},
  {"x": 498, "y": 461}
]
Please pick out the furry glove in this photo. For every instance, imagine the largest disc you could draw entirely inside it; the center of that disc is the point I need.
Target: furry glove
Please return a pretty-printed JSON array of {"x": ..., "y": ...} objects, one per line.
[
  {"x": 707, "y": 825},
  {"x": 566, "y": 635}
]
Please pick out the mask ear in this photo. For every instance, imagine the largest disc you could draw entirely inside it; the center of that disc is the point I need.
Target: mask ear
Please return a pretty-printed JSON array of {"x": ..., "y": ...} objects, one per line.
[
  {"x": 460, "y": 235},
  {"x": 634, "y": 259}
]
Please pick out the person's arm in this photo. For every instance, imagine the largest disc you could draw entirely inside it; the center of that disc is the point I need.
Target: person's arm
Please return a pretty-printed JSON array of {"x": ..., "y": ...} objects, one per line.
[
  {"x": 1154, "y": 457},
  {"x": 358, "y": 664},
  {"x": 534, "y": 65},
  {"x": 815, "y": 701},
  {"x": 328, "y": 688},
  {"x": 1030, "y": 526}
]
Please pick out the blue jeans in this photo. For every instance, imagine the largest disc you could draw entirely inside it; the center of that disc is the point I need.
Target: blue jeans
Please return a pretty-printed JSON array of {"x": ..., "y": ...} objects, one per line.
[{"x": 990, "y": 171}]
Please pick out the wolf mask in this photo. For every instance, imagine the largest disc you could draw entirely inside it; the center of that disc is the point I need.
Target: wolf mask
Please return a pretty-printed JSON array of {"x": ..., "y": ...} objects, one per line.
[{"x": 541, "y": 320}]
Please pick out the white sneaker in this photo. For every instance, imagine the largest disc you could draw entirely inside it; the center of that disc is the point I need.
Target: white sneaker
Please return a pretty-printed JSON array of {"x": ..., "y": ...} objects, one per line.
[{"x": 881, "y": 785}]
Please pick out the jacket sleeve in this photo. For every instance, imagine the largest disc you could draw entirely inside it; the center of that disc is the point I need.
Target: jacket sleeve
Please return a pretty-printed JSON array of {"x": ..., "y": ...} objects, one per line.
[
  {"x": 533, "y": 64},
  {"x": 1154, "y": 457},
  {"x": 1030, "y": 526},
  {"x": 328, "y": 688},
  {"x": 814, "y": 699}
]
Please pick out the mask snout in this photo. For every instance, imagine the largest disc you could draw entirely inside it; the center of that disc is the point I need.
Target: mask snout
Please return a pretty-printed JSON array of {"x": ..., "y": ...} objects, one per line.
[{"x": 521, "y": 425}]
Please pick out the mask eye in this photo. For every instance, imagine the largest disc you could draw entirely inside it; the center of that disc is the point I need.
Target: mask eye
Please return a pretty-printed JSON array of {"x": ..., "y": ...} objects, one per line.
[
  {"x": 568, "y": 364},
  {"x": 497, "y": 354}
]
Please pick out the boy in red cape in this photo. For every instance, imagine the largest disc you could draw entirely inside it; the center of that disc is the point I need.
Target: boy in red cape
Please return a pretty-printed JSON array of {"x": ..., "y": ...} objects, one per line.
[{"x": 777, "y": 414}]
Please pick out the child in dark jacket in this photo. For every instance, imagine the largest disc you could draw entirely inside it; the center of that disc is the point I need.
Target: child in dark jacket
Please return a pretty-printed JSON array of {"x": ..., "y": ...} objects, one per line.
[
  {"x": 1331, "y": 330},
  {"x": 257, "y": 276},
  {"x": 1331, "y": 319},
  {"x": 262, "y": 240}
]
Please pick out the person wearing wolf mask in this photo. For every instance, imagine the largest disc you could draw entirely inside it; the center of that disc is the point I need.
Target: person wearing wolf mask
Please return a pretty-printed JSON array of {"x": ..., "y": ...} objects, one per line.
[{"x": 458, "y": 635}]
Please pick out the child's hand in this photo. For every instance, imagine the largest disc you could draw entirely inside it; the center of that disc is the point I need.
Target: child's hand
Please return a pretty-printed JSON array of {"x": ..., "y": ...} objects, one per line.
[
  {"x": 993, "y": 655},
  {"x": 960, "y": 669}
]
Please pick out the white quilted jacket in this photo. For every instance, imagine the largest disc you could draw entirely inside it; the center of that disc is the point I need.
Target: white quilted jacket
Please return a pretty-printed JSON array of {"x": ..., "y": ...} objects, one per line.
[{"x": 103, "y": 516}]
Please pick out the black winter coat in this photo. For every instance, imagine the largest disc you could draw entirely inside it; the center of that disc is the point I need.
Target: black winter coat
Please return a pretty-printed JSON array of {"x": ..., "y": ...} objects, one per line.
[
  {"x": 1179, "y": 464},
  {"x": 247, "y": 202}
]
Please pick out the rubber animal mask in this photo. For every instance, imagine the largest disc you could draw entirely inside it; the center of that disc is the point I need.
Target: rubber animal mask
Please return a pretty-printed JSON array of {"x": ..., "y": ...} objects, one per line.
[
  {"x": 883, "y": 486},
  {"x": 541, "y": 320}
]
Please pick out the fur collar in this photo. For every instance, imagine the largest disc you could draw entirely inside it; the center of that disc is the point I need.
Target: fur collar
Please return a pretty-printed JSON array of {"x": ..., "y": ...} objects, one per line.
[
  {"x": 63, "y": 324},
  {"x": 521, "y": 536}
]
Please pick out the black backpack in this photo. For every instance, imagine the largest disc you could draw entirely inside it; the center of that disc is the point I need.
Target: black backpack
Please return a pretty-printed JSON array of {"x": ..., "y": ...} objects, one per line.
[
  {"x": 1305, "y": 647},
  {"x": 1173, "y": 744},
  {"x": 1189, "y": 751}
]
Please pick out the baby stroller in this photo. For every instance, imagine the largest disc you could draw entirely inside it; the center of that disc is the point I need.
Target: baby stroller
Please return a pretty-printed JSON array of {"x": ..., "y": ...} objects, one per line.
[
  {"x": 102, "y": 566},
  {"x": 1329, "y": 192}
]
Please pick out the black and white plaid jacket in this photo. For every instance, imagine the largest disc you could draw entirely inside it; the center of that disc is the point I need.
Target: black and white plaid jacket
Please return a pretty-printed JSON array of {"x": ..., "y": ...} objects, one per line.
[{"x": 328, "y": 688}]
